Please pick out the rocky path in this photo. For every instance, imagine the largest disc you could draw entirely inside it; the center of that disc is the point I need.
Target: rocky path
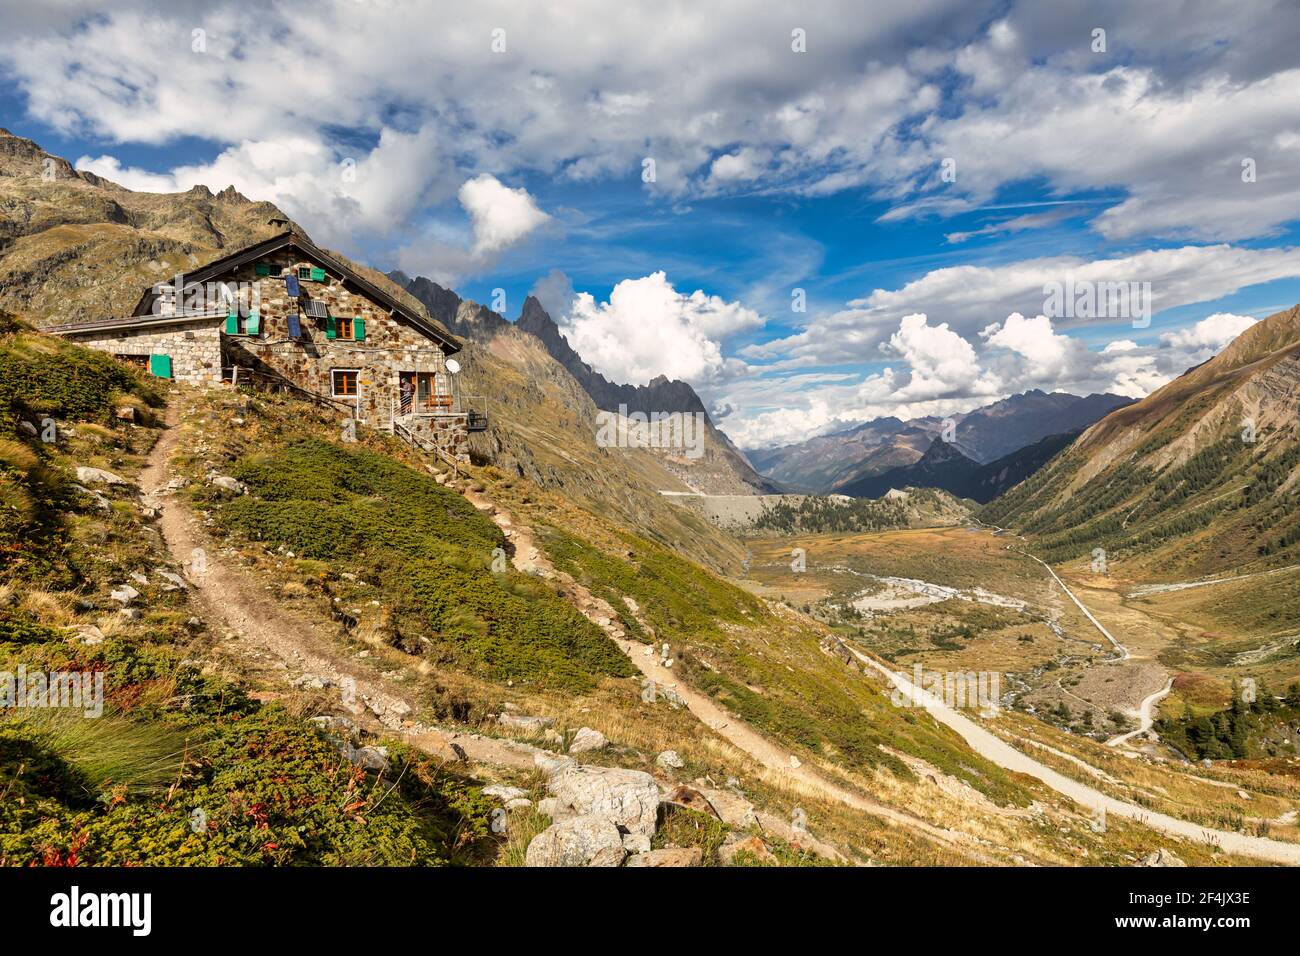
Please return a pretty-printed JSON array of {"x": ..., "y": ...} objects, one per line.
[
  {"x": 1145, "y": 715},
  {"x": 254, "y": 624}
]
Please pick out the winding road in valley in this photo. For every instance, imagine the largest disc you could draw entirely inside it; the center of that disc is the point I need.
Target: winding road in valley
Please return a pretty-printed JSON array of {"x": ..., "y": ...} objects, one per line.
[
  {"x": 1146, "y": 714},
  {"x": 991, "y": 747}
]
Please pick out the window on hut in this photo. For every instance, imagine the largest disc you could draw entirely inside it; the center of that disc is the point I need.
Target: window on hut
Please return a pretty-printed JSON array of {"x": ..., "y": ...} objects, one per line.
[{"x": 345, "y": 382}]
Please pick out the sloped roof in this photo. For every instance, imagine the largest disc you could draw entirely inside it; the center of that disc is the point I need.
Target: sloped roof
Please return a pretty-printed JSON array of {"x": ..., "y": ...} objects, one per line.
[{"x": 144, "y": 315}]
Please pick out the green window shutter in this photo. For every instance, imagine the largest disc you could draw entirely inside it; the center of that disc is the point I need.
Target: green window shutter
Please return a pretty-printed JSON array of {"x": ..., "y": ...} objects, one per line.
[
  {"x": 331, "y": 327},
  {"x": 161, "y": 365},
  {"x": 317, "y": 275},
  {"x": 232, "y": 323},
  {"x": 264, "y": 268},
  {"x": 359, "y": 329},
  {"x": 254, "y": 324}
]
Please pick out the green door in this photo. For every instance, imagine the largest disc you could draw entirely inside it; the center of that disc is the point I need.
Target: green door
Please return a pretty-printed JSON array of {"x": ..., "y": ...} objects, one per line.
[{"x": 161, "y": 365}]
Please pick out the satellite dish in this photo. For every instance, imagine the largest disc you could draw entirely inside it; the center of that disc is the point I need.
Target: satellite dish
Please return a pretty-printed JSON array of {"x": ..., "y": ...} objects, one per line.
[{"x": 453, "y": 366}]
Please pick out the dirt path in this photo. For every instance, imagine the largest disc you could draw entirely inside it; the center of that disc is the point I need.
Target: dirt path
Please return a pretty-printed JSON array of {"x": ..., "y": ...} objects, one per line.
[
  {"x": 1145, "y": 715},
  {"x": 235, "y": 606},
  {"x": 985, "y": 743},
  {"x": 1120, "y": 649}
]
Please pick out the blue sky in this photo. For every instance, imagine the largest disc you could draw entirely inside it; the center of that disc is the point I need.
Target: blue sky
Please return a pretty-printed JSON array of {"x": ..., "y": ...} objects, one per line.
[{"x": 920, "y": 172}]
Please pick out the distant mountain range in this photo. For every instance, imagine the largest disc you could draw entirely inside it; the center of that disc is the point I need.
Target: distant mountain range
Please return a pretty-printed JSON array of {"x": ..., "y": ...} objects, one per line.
[
  {"x": 844, "y": 461},
  {"x": 944, "y": 466}
]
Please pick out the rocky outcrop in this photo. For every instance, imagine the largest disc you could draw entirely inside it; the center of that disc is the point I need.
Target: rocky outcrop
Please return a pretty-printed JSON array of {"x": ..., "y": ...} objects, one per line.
[
  {"x": 591, "y": 840},
  {"x": 628, "y": 798}
]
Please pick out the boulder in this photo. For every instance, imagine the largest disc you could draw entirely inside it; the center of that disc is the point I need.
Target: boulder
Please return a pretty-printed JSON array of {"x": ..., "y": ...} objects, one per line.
[
  {"x": 687, "y": 856},
  {"x": 669, "y": 760},
  {"x": 528, "y": 725},
  {"x": 732, "y": 809},
  {"x": 591, "y": 840},
  {"x": 98, "y": 476},
  {"x": 1163, "y": 857},
  {"x": 586, "y": 740},
  {"x": 230, "y": 484},
  {"x": 125, "y": 413},
  {"x": 630, "y": 798}
]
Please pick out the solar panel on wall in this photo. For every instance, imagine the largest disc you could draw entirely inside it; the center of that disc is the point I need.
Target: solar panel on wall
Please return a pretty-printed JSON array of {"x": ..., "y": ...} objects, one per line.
[
  {"x": 291, "y": 286},
  {"x": 314, "y": 309},
  {"x": 295, "y": 327}
]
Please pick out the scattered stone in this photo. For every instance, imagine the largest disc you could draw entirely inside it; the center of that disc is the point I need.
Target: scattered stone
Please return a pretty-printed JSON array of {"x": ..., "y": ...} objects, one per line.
[
  {"x": 124, "y": 595},
  {"x": 98, "y": 476},
  {"x": 518, "y": 803},
  {"x": 130, "y": 613},
  {"x": 230, "y": 484},
  {"x": 368, "y": 758},
  {"x": 586, "y": 740},
  {"x": 591, "y": 840},
  {"x": 125, "y": 413},
  {"x": 88, "y": 633},
  {"x": 174, "y": 581},
  {"x": 28, "y": 427},
  {"x": 337, "y": 722},
  {"x": 528, "y": 725},
  {"x": 669, "y": 760},
  {"x": 686, "y": 856},
  {"x": 139, "y": 578},
  {"x": 1163, "y": 857},
  {"x": 1242, "y": 794},
  {"x": 636, "y": 843},
  {"x": 794, "y": 762}
]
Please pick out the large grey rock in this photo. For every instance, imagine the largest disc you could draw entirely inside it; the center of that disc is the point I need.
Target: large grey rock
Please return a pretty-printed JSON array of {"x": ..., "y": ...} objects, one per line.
[
  {"x": 98, "y": 476},
  {"x": 630, "y": 798},
  {"x": 732, "y": 809},
  {"x": 230, "y": 484},
  {"x": 586, "y": 740},
  {"x": 591, "y": 840},
  {"x": 670, "y": 760}
]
